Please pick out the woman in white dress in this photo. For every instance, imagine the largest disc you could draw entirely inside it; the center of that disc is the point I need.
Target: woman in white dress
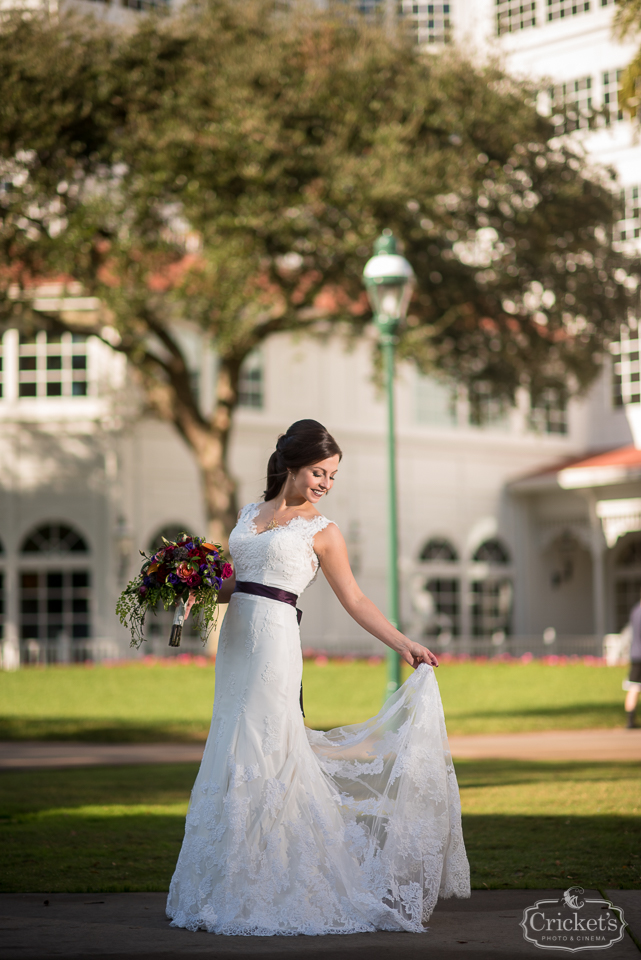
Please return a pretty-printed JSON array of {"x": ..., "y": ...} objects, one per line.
[{"x": 298, "y": 831}]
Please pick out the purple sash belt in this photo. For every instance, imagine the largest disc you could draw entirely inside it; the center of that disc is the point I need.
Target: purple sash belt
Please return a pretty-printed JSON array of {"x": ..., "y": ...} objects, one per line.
[{"x": 272, "y": 593}]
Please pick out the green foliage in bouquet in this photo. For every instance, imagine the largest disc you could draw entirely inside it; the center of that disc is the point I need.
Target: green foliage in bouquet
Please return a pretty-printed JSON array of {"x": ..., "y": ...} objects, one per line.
[{"x": 185, "y": 568}]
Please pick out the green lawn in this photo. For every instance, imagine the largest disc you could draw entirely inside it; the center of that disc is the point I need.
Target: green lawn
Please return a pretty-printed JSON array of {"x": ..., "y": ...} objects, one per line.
[
  {"x": 158, "y": 702},
  {"x": 107, "y": 829}
]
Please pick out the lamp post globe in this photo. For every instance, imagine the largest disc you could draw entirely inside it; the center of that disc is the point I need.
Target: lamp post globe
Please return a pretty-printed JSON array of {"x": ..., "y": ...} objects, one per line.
[{"x": 389, "y": 281}]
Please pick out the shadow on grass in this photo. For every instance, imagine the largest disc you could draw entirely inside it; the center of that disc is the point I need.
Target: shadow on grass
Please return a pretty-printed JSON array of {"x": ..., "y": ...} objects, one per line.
[
  {"x": 120, "y": 829},
  {"x": 101, "y": 731},
  {"x": 547, "y": 711},
  {"x": 542, "y": 852},
  {"x": 503, "y": 773}
]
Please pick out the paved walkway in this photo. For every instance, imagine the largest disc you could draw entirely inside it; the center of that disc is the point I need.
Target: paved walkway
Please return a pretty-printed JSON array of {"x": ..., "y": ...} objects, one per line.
[
  {"x": 132, "y": 926},
  {"x": 618, "y": 744}
]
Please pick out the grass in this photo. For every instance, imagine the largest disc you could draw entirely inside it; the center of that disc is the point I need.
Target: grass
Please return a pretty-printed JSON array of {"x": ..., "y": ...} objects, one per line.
[
  {"x": 159, "y": 702},
  {"x": 120, "y": 829}
]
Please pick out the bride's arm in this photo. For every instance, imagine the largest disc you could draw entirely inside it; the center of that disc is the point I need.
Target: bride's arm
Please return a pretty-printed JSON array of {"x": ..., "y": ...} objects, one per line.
[{"x": 331, "y": 550}]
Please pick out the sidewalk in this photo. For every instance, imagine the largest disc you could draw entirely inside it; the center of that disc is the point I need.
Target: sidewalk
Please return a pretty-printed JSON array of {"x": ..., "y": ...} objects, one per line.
[
  {"x": 132, "y": 926},
  {"x": 586, "y": 745}
]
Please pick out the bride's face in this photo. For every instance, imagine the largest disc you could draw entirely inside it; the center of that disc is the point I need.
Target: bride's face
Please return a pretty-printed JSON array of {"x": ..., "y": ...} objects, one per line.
[{"x": 315, "y": 481}]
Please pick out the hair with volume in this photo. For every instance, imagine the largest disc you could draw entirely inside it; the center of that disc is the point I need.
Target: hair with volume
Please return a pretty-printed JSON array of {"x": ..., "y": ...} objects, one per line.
[{"x": 306, "y": 442}]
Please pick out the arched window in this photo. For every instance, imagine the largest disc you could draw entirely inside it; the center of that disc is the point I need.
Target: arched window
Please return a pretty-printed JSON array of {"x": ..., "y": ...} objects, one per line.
[
  {"x": 491, "y": 596},
  {"x": 55, "y": 596},
  {"x": 491, "y": 606},
  {"x": 437, "y": 548},
  {"x": 54, "y": 538},
  {"x": 445, "y": 622},
  {"x": 444, "y": 590},
  {"x": 492, "y": 551}
]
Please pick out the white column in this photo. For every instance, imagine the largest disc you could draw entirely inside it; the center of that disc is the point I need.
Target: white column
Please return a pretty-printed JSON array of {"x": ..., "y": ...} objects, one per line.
[
  {"x": 11, "y": 642},
  {"x": 10, "y": 347},
  {"x": 597, "y": 548}
]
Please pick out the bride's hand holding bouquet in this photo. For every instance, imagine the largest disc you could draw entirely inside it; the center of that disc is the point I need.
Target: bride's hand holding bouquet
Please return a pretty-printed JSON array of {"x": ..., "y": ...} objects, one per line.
[{"x": 183, "y": 573}]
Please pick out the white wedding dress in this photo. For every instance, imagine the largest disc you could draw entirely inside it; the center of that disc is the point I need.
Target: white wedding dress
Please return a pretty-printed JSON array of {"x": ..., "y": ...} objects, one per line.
[{"x": 296, "y": 831}]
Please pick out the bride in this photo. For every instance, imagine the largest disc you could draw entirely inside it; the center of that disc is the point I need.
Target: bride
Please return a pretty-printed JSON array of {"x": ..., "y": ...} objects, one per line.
[{"x": 299, "y": 831}]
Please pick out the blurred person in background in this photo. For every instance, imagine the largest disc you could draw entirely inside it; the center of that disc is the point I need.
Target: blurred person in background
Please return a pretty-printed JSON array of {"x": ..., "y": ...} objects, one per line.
[{"x": 633, "y": 683}]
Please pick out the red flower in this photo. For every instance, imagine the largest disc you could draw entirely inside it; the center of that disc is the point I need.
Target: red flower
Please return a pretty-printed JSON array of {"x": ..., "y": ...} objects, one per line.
[
  {"x": 194, "y": 580},
  {"x": 227, "y": 571},
  {"x": 184, "y": 571},
  {"x": 194, "y": 553}
]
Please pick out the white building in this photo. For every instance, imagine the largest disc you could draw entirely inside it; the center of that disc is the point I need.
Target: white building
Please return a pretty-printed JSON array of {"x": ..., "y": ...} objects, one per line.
[{"x": 514, "y": 523}]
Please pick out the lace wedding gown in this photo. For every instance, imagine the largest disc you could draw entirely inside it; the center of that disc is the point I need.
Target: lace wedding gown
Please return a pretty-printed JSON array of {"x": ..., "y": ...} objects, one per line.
[{"x": 296, "y": 831}]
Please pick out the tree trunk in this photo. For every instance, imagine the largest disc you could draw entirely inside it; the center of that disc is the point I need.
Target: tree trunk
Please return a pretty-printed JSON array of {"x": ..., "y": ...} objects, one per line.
[{"x": 209, "y": 442}]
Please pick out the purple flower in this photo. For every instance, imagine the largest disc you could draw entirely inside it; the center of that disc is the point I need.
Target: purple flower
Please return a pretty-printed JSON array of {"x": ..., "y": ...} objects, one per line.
[
  {"x": 143, "y": 590},
  {"x": 173, "y": 579},
  {"x": 208, "y": 581},
  {"x": 218, "y": 581}
]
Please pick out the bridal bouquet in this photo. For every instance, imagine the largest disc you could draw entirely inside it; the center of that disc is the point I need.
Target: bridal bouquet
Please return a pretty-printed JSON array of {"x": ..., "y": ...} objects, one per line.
[{"x": 185, "y": 572}]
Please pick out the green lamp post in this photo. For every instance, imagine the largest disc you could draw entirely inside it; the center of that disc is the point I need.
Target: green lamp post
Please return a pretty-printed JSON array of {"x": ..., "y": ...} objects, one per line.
[{"x": 389, "y": 281}]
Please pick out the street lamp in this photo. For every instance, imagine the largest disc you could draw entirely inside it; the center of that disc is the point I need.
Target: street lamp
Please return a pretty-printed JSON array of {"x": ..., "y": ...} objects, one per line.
[{"x": 389, "y": 281}]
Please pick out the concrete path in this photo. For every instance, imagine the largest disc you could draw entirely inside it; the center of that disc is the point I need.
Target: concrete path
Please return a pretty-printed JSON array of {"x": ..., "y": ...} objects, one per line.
[
  {"x": 132, "y": 926},
  {"x": 617, "y": 744}
]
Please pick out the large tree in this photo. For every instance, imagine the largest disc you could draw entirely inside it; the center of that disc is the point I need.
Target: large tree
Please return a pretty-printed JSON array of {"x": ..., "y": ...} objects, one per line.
[{"x": 231, "y": 168}]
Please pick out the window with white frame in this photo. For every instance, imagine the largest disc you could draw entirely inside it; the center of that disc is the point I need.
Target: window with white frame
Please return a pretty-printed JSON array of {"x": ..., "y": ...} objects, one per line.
[
  {"x": 55, "y": 595},
  {"x": 145, "y": 5},
  {"x": 251, "y": 383},
  {"x": 513, "y": 15},
  {"x": 435, "y": 402},
  {"x": 444, "y": 588},
  {"x": 486, "y": 409},
  {"x": 548, "y": 414},
  {"x": 431, "y": 22},
  {"x": 561, "y": 9},
  {"x": 491, "y": 595},
  {"x": 491, "y": 606},
  {"x": 572, "y": 101},
  {"x": 611, "y": 80},
  {"x": 52, "y": 365},
  {"x": 629, "y": 228},
  {"x": 446, "y": 596},
  {"x": 369, "y": 8},
  {"x": 626, "y": 368}
]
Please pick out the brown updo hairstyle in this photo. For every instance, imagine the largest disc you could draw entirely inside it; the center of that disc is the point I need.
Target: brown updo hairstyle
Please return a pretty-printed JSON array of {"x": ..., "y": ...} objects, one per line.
[{"x": 306, "y": 442}]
